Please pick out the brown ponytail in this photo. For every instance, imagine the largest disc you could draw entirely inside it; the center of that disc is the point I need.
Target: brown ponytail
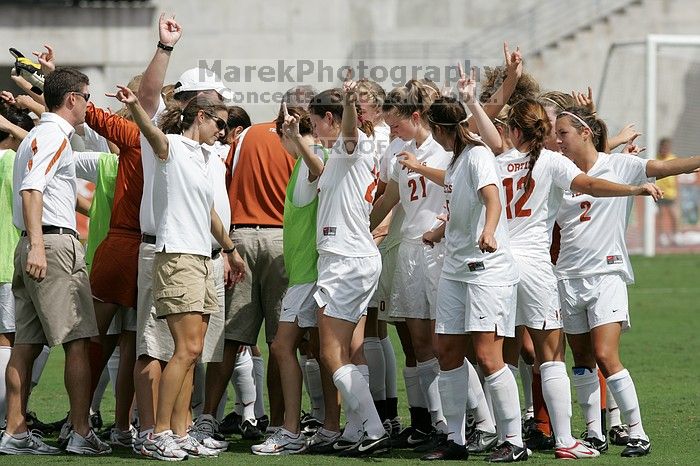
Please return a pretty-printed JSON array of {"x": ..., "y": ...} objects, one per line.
[
  {"x": 408, "y": 99},
  {"x": 175, "y": 120},
  {"x": 450, "y": 116},
  {"x": 530, "y": 117}
]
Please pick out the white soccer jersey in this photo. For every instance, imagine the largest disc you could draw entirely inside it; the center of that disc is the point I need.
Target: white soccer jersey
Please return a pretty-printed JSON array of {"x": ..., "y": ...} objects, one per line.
[
  {"x": 386, "y": 168},
  {"x": 421, "y": 199},
  {"x": 531, "y": 212},
  {"x": 382, "y": 140},
  {"x": 593, "y": 228},
  {"x": 345, "y": 193},
  {"x": 474, "y": 169}
]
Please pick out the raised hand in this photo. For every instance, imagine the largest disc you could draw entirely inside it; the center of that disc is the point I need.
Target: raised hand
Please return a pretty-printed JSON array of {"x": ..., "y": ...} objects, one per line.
[
  {"x": 169, "y": 30},
  {"x": 8, "y": 98},
  {"x": 349, "y": 88},
  {"x": 466, "y": 86},
  {"x": 46, "y": 59},
  {"x": 290, "y": 127},
  {"x": 629, "y": 133},
  {"x": 583, "y": 100},
  {"x": 446, "y": 90},
  {"x": 124, "y": 95},
  {"x": 631, "y": 148},
  {"x": 513, "y": 61}
]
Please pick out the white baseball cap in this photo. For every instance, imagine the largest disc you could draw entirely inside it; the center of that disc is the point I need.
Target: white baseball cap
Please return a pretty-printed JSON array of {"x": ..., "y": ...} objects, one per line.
[{"x": 202, "y": 79}]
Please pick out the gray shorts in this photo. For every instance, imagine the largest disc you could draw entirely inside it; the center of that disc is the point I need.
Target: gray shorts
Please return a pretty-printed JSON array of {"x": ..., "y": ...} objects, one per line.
[{"x": 7, "y": 308}]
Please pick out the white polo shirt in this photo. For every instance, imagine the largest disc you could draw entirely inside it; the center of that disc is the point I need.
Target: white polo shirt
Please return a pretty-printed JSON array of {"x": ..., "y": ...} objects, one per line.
[
  {"x": 183, "y": 197},
  {"x": 44, "y": 163},
  {"x": 147, "y": 218},
  {"x": 217, "y": 176}
]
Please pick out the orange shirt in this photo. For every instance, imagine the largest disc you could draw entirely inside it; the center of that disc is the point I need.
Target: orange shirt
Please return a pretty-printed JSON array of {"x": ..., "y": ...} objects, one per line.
[
  {"x": 257, "y": 188},
  {"x": 129, "y": 183}
]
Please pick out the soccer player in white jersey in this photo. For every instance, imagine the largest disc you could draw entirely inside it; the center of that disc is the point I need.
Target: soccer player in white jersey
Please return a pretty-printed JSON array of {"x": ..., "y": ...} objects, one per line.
[
  {"x": 349, "y": 263},
  {"x": 534, "y": 180},
  {"x": 594, "y": 268},
  {"x": 477, "y": 288},
  {"x": 421, "y": 201}
]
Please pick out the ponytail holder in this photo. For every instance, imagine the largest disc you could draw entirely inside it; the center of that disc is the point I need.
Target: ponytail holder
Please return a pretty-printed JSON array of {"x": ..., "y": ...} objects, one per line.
[{"x": 182, "y": 117}]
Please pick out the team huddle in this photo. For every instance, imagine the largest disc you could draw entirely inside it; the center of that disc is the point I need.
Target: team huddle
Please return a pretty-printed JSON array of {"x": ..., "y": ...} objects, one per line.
[{"x": 488, "y": 229}]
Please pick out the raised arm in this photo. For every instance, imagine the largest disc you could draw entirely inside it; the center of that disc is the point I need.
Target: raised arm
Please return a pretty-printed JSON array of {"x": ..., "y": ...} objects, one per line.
[
  {"x": 151, "y": 132},
  {"x": 466, "y": 87},
  {"x": 169, "y": 32},
  {"x": 664, "y": 168},
  {"x": 348, "y": 126},
  {"x": 14, "y": 130},
  {"x": 602, "y": 188},
  {"x": 113, "y": 127},
  {"x": 303, "y": 144},
  {"x": 409, "y": 161},
  {"x": 625, "y": 136},
  {"x": 514, "y": 70}
]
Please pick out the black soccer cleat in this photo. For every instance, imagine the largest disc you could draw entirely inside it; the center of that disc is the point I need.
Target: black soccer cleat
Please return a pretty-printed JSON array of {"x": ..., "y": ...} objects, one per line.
[
  {"x": 368, "y": 447},
  {"x": 618, "y": 435},
  {"x": 448, "y": 450},
  {"x": 506, "y": 452},
  {"x": 636, "y": 447}
]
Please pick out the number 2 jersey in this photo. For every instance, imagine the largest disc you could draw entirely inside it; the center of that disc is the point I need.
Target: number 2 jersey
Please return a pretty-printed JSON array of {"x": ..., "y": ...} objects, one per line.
[
  {"x": 421, "y": 199},
  {"x": 531, "y": 212},
  {"x": 593, "y": 228},
  {"x": 345, "y": 195},
  {"x": 474, "y": 169}
]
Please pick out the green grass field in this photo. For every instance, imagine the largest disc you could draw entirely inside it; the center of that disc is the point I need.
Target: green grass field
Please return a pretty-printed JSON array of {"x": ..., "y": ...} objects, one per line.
[{"x": 659, "y": 352}]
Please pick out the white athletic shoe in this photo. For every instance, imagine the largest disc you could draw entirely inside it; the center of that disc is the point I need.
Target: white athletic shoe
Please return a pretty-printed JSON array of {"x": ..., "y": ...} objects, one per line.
[
  {"x": 27, "y": 443},
  {"x": 282, "y": 442},
  {"x": 88, "y": 445},
  {"x": 163, "y": 447},
  {"x": 207, "y": 440},
  {"x": 195, "y": 449},
  {"x": 138, "y": 441},
  {"x": 121, "y": 438},
  {"x": 579, "y": 450}
]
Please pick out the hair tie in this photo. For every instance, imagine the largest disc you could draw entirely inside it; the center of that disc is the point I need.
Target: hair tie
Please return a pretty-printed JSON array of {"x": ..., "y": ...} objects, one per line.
[
  {"x": 580, "y": 120},
  {"x": 182, "y": 117}
]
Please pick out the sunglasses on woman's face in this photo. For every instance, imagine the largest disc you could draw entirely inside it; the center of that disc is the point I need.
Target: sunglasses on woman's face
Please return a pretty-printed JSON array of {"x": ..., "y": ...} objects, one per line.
[{"x": 220, "y": 124}]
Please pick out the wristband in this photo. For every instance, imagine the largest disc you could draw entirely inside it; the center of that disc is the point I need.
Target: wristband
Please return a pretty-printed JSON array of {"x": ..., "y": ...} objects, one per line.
[
  {"x": 228, "y": 251},
  {"x": 167, "y": 48}
]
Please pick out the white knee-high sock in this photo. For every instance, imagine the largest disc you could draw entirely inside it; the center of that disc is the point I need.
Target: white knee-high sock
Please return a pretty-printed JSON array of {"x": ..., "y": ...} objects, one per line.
[
  {"x": 197, "y": 401},
  {"x": 414, "y": 393},
  {"x": 476, "y": 401},
  {"x": 259, "y": 365},
  {"x": 622, "y": 388},
  {"x": 315, "y": 388},
  {"x": 244, "y": 385},
  {"x": 357, "y": 400},
  {"x": 487, "y": 394},
  {"x": 506, "y": 405},
  {"x": 612, "y": 410},
  {"x": 377, "y": 367},
  {"x": 39, "y": 364},
  {"x": 587, "y": 387},
  {"x": 390, "y": 367},
  {"x": 364, "y": 370},
  {"x": 5, "y": 353},
  {"x": 100, "y": 391},
  {"x": 454, "y": 400},
  {"x": 525, "y": 370},
  {"x": 556, "y": 390},
  {"x": 428, "y": 372}
]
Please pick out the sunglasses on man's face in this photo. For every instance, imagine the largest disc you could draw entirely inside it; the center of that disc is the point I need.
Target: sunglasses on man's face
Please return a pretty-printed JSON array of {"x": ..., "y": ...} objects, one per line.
[
  {"x": 220, "y": 124},
  {"x": 85, "y": 96}
]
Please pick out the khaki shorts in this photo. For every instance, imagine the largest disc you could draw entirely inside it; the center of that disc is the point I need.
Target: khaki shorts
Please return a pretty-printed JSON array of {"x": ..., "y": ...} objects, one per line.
[
  {"x": 259, "y": 295},
  {"x": 59, "y": 308},
  {"x": 183, "y": 283},
  {"x": 213, "y": 350}
]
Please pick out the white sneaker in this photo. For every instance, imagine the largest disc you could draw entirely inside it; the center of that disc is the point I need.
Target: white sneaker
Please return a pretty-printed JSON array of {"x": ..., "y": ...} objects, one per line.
[
  {"x": 138, "y": 441},
  {"x": 27, "y": 443},
  {"x": 282, "y": 442},
  {"x": 207, "y": 440},
  {"x": 121, "y": 438},
  {"x": 88, "y": 445},
  {"x": 163, "y": 447},
  {"x": 195, "y": 449},
  {"x": 578, "y": 450}
]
